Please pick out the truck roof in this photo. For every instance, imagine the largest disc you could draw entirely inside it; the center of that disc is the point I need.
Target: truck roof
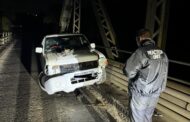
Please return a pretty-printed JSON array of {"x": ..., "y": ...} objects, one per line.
[{"x": 64, "y": 34}]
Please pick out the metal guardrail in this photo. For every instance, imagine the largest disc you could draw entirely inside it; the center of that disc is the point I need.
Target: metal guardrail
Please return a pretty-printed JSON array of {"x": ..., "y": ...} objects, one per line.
[
  {"x": 123, "y": 51},
  {"x": 179, "y": 62},
  {"x": 172, "y": 61},
  {"x": 128, "y": 52},
  {"x": 5, "y": 37},
  {"x": 179, "y": 80},
  {"x": 174, "y": 101}
]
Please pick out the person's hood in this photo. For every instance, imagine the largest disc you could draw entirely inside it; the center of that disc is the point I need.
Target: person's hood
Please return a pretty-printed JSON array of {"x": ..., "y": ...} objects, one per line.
[
  {"x": 70, "y": 57},
  {"x": 146, "y": 42}
]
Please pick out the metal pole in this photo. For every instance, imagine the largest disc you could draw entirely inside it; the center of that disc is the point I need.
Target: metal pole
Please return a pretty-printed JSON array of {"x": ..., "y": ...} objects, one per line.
[
  {"x": 66, "y": 15},
  {"x": 106, "y": 29},
  {"x": 157, "y": 20},
  {"x": 77, "y": 16}
]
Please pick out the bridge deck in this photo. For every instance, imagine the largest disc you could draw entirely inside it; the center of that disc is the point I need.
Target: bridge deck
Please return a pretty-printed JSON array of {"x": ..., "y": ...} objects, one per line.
[{"x": 22, "y": 100}]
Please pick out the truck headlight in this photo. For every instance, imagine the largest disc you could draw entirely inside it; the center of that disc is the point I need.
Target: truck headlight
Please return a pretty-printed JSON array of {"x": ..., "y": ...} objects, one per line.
[
  {"x": 103, "y": 62},
  {"x": 54, "y": 70}
]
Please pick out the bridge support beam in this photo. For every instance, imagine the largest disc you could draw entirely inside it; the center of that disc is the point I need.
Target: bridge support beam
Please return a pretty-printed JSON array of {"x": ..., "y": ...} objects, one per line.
[
  {"x": 76, "y": 16},
  {"x": 106, "y": 29},
  {"x": 65, "y": 17},
  {"x": 157, "y": 20}
]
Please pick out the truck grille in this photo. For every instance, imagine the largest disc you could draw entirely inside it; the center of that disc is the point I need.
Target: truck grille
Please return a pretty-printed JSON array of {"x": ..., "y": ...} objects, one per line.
[
  {"x": 84, "y": 78},
  {"x": 79, "y": 66}
]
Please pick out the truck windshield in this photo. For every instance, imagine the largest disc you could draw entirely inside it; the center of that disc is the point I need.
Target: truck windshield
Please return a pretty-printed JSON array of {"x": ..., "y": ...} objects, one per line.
[{"x": 61, "y": 43}]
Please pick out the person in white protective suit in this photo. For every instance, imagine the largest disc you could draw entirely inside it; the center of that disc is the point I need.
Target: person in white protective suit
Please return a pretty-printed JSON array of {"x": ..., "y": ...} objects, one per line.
[{"x": 146, "y": 70}]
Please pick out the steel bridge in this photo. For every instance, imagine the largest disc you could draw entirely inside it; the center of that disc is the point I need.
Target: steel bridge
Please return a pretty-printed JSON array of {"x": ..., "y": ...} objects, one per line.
[{"x": 173, "y": 103}]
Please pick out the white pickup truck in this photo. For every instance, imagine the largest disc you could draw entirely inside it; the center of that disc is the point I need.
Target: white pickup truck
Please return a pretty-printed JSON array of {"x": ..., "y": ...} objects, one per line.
[{"x": 69, "y": 62}]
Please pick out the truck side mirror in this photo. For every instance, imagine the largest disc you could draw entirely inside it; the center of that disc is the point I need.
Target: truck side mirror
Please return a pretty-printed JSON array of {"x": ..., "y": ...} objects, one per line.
[
  {"x": 92, "y": 45},
  {"x": 38, "y": 50}
]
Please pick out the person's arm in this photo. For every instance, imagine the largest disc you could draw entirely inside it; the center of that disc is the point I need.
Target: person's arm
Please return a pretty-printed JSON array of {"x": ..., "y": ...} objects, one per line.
[
  {"x": 166, "y": 66},
  {"x": 133, "y": 64}
]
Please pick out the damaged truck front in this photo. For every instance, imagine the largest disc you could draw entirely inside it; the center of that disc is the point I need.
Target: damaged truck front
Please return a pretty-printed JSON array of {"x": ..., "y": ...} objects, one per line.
[{"x": 69, "y": 62}]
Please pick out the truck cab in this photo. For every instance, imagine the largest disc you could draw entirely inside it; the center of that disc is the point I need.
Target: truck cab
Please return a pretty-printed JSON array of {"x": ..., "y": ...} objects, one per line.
[{"x": 69, "y": 62}]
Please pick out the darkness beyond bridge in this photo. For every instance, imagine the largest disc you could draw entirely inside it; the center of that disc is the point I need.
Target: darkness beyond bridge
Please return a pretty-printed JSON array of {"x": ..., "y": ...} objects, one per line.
[
  {"x": 30, "y": 21},
  {"x": 36, "y": 19}
]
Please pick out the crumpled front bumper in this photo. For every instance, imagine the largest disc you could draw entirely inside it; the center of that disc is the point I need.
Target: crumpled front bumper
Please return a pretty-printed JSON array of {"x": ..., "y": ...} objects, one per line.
[{"x": 71, "y": 81}]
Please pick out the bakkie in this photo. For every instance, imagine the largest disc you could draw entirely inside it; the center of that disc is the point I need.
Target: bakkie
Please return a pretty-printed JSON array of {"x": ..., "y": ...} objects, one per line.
[{"x": 69, "y": 62}]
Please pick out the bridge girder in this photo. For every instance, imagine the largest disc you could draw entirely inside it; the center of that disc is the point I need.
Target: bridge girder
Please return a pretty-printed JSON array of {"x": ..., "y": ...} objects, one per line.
[{"x": 157, "y": 20}]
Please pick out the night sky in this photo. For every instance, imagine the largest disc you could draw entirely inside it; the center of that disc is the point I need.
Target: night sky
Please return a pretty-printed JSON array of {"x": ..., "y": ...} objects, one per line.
[
  {"x": 126, "y": 19},
  {"x": 27, "y": 5}
]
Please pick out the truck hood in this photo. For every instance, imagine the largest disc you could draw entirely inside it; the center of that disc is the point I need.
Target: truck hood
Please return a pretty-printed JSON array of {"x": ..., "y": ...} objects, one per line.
[{"x": 70, "y": 57}]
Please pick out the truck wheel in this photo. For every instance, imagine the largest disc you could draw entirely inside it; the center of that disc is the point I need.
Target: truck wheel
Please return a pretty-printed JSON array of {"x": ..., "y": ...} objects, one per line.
[{"x": 42, "y": 79}]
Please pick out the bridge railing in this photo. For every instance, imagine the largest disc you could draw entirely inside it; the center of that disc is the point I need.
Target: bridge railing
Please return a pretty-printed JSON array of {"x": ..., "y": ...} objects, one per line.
[
  {"x": 170, "y": 61},
  {"x": 5, "y": 37},
  {"x": 174, "y": 101}
]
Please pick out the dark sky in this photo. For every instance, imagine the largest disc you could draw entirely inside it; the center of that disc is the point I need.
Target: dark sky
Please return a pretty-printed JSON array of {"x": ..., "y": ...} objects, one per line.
[
  {"x": 125, "y": 18},
  {"x": 12, "y": 6}
]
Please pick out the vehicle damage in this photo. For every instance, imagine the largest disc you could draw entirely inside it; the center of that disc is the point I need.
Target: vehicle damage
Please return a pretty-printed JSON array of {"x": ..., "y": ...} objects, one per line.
[{"x": 69, "y": 62}]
